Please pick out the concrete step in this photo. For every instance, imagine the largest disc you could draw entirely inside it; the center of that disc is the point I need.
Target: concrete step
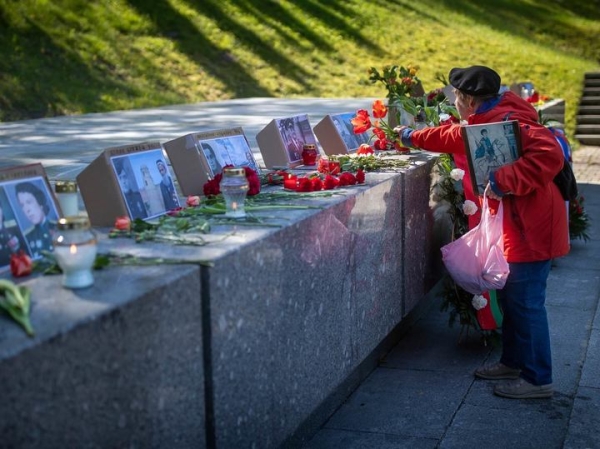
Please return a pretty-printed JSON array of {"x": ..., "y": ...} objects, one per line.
[
  {"x": 592, "y": 75},
  {"x": 590, "y": 100},
  {"x": 591, "y": 82},
  {"x": 587, "y": 129},
  {"x": 587, "y": 110},
  {"x": 588, "y": 119},
  {"x": 592, "y": 91},
  {"x": 586, "y": 139}
]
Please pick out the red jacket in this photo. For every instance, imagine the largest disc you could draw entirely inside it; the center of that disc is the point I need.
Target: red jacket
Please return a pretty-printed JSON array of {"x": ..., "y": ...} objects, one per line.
[{"x": 535, "y": 218}]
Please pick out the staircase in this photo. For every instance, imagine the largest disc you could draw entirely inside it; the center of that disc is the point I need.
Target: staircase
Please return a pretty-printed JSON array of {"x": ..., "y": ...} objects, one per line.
[{"x": 587, "y": 131}]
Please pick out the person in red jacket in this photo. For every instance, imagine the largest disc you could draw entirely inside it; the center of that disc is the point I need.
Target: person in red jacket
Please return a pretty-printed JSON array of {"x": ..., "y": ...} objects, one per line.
[{"x": 534, "y": 225}]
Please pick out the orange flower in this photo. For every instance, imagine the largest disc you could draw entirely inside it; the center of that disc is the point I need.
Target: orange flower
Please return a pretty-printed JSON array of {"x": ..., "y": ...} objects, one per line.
[
  {"x": 380, "y": 110},
  {"x": 123, "y": 223},
  {"x": 361, "y": 122}
]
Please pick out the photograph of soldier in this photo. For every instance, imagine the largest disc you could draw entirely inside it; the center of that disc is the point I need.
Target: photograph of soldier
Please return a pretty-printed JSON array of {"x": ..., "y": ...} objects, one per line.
[
  {"x": 234, "y": 150},
  {"x": 211, "y": 157},
  {"x": 11, "y": 237},
  {"x": 38, "y": 215},
  {"x": 346, "y": 133},
  {"x": 167, "y": 187},
  {"x": 129, "y": 189}
]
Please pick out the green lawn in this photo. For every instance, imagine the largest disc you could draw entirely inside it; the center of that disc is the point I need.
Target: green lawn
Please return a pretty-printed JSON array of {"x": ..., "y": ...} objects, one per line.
[{"x": 79, "y": 56}]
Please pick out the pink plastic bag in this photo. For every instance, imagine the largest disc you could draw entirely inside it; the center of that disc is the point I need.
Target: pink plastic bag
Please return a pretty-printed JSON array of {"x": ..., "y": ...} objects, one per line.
[{"x": 476, "y": 261}]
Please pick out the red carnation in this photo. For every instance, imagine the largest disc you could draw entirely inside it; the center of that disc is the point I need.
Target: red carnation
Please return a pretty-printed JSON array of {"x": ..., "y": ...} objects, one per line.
[
  {"x": 364, "y": 148},
  {"x": 347, "y": 179},
  {"x": 317, "y": 184},
  {"x": 304, "y": 185},
  {"x": 360, "y": 176},
  {"x": 330, "y": 182},
  {"x": 212, "y": 187},
  {"x": 253, "y": 181}
]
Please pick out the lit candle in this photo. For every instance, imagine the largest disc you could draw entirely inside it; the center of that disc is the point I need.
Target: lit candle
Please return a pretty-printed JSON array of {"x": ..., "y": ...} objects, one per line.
[
  {"x": 66, "y": 193},
  {"x": 290, "y": 182},
  {"x": 234, "y": 187},
  {"x": 75, "y": 250}
]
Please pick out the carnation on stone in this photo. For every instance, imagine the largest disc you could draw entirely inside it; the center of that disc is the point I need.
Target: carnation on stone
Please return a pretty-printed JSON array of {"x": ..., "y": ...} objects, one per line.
[
  {"x": 478, "y": 302},
  {"x": 469, "y": 207},
  {"x": 457, "y": 174}
]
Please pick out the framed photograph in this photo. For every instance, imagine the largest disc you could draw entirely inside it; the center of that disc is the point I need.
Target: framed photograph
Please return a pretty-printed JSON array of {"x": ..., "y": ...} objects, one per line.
[
  {"x": 28, "y": 213},
  {"x": 146, "y": 184},
  {"x": 346, "y": 131},
  {"x": 489, "y": 146},
  {"x": 199, "y": 157},
  {"x": 227, "y": 150},
  {"x": 295, "y": 133}
]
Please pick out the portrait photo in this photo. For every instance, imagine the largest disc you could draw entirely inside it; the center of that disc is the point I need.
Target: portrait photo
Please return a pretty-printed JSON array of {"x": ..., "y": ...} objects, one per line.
[
  {"x": 490, "y": 146},
  {"x": 346, "y": 131},
  {"x": 11, "y": 236},
  {"x": 295, "y": 133},
  {"x": 31, "y": 207},
  {"x": 228, "y": 150},
  {"x": 146, "y": 183}
]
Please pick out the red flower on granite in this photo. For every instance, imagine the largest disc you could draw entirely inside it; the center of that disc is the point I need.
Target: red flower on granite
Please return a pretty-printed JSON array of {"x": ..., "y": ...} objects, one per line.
[
  {"x": 365, "y": 149},
  {"x": 20, "y": 264},
  {"x": 123, "y": 223},
  {"x": 317, "y": 184},
  {"x": 212, "y": 186},
  {"x": 360, "y": 176},
  {"x": 253, "y": 181},
  {"x": 192, "y": 201},
  {"x": 304, "y": 185},
  {"x": 330, "y": 182},
  {"x": 347, "y": 179}
]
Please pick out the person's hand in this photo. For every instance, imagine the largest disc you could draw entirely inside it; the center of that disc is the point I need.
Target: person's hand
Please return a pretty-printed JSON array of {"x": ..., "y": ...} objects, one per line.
[
  {"x": 398, "y": 129},
  {"x": 490, "y": 193}
]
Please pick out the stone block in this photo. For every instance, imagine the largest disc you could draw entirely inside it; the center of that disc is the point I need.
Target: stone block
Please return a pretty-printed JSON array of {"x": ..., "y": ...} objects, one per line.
[{"x": 119, "y": 364}]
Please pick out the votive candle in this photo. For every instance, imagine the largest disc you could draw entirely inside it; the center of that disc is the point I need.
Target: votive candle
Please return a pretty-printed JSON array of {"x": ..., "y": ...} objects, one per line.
[{"x": 75, "y": 249}]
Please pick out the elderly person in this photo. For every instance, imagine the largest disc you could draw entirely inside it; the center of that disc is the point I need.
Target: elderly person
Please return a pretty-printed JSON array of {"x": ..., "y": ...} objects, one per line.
[{"x": 535, "y": 224}]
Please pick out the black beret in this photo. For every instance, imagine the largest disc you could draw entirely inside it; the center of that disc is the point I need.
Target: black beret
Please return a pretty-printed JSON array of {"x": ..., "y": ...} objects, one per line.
[{"x": 475, "y": 80}]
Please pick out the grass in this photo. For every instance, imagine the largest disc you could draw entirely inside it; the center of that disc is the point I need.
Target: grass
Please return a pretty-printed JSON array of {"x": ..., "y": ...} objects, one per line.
[{"x": 75, "y": 56}]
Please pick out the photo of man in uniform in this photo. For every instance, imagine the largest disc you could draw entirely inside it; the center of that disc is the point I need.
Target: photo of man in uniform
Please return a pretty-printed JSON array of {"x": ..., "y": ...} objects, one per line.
[
  {"x": 133, "y": 198},
  {"x": 167, "y": 188}
]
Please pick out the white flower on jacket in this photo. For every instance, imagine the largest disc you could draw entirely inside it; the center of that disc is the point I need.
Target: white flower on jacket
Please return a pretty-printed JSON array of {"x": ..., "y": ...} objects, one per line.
[
  {"x": 457, "y": 174},
  {"x": 469, "y": 207},
  {"x": 478, "y": 302}
]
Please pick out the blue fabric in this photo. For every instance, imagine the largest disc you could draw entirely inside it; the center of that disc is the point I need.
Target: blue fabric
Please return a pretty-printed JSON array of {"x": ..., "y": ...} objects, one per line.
[
  {"x": 494, "y": 185},
  {"x": 525, "y": 333},
  {"x": 405, "y": 137},
  {"x": 488, "y": 104}
]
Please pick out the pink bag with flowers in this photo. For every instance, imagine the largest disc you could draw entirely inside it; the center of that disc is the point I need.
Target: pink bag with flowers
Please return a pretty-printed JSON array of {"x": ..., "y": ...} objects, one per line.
[{"x": 476, "y": 260}]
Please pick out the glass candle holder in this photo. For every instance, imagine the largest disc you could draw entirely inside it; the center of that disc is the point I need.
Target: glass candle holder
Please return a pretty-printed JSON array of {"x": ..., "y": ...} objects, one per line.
[
  {"x": 75, "y": 249},
  {"x": 309, "y": 154},
  {"x": 234, "y": 187},
  {"x": 66, "y": 194}
]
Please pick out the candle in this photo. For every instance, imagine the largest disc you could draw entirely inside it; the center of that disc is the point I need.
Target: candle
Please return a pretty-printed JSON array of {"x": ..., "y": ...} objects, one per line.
[
  {"x": 66, "y": 193},
  {"x": 290, "y": 182},
  {"x": 75, "y": 250},
  {"x": 234, "y": 187}
]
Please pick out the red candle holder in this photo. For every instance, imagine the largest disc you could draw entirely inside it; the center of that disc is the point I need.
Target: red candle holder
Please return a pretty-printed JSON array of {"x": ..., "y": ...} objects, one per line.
[
  {"x": 309, "y": 154},
  {"x": 290, "y": 182}
]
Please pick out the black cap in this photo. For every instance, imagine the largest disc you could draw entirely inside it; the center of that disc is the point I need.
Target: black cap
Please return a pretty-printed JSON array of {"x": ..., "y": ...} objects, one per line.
[{"x": 476, "y": 80}]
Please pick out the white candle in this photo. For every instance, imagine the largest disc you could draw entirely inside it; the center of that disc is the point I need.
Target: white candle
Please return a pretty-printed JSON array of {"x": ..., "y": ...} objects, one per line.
[
  {"x": 76, "y": 262},
  {"x": 66, "y": 193}
]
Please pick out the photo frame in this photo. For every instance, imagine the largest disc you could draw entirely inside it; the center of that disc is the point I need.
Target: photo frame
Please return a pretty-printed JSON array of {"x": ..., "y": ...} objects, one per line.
[
  {"x": 489, "y": 146},
  {"x": 282, "y": 140},
  {"x": 336, "y": 134},
  {"x": 29, "y": 212},
  {"x": 135, "y": 181},
  {"x": 146, "y": 184},
  {"x": 199, "y": 157}
]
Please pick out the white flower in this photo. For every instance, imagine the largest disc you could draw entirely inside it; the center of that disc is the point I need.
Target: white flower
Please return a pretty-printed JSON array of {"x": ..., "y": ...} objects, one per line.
[
  {"x": 457, "y": 174},
  {"x": 469, "y": 207},
  {"x": 478, "y": 302}
]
